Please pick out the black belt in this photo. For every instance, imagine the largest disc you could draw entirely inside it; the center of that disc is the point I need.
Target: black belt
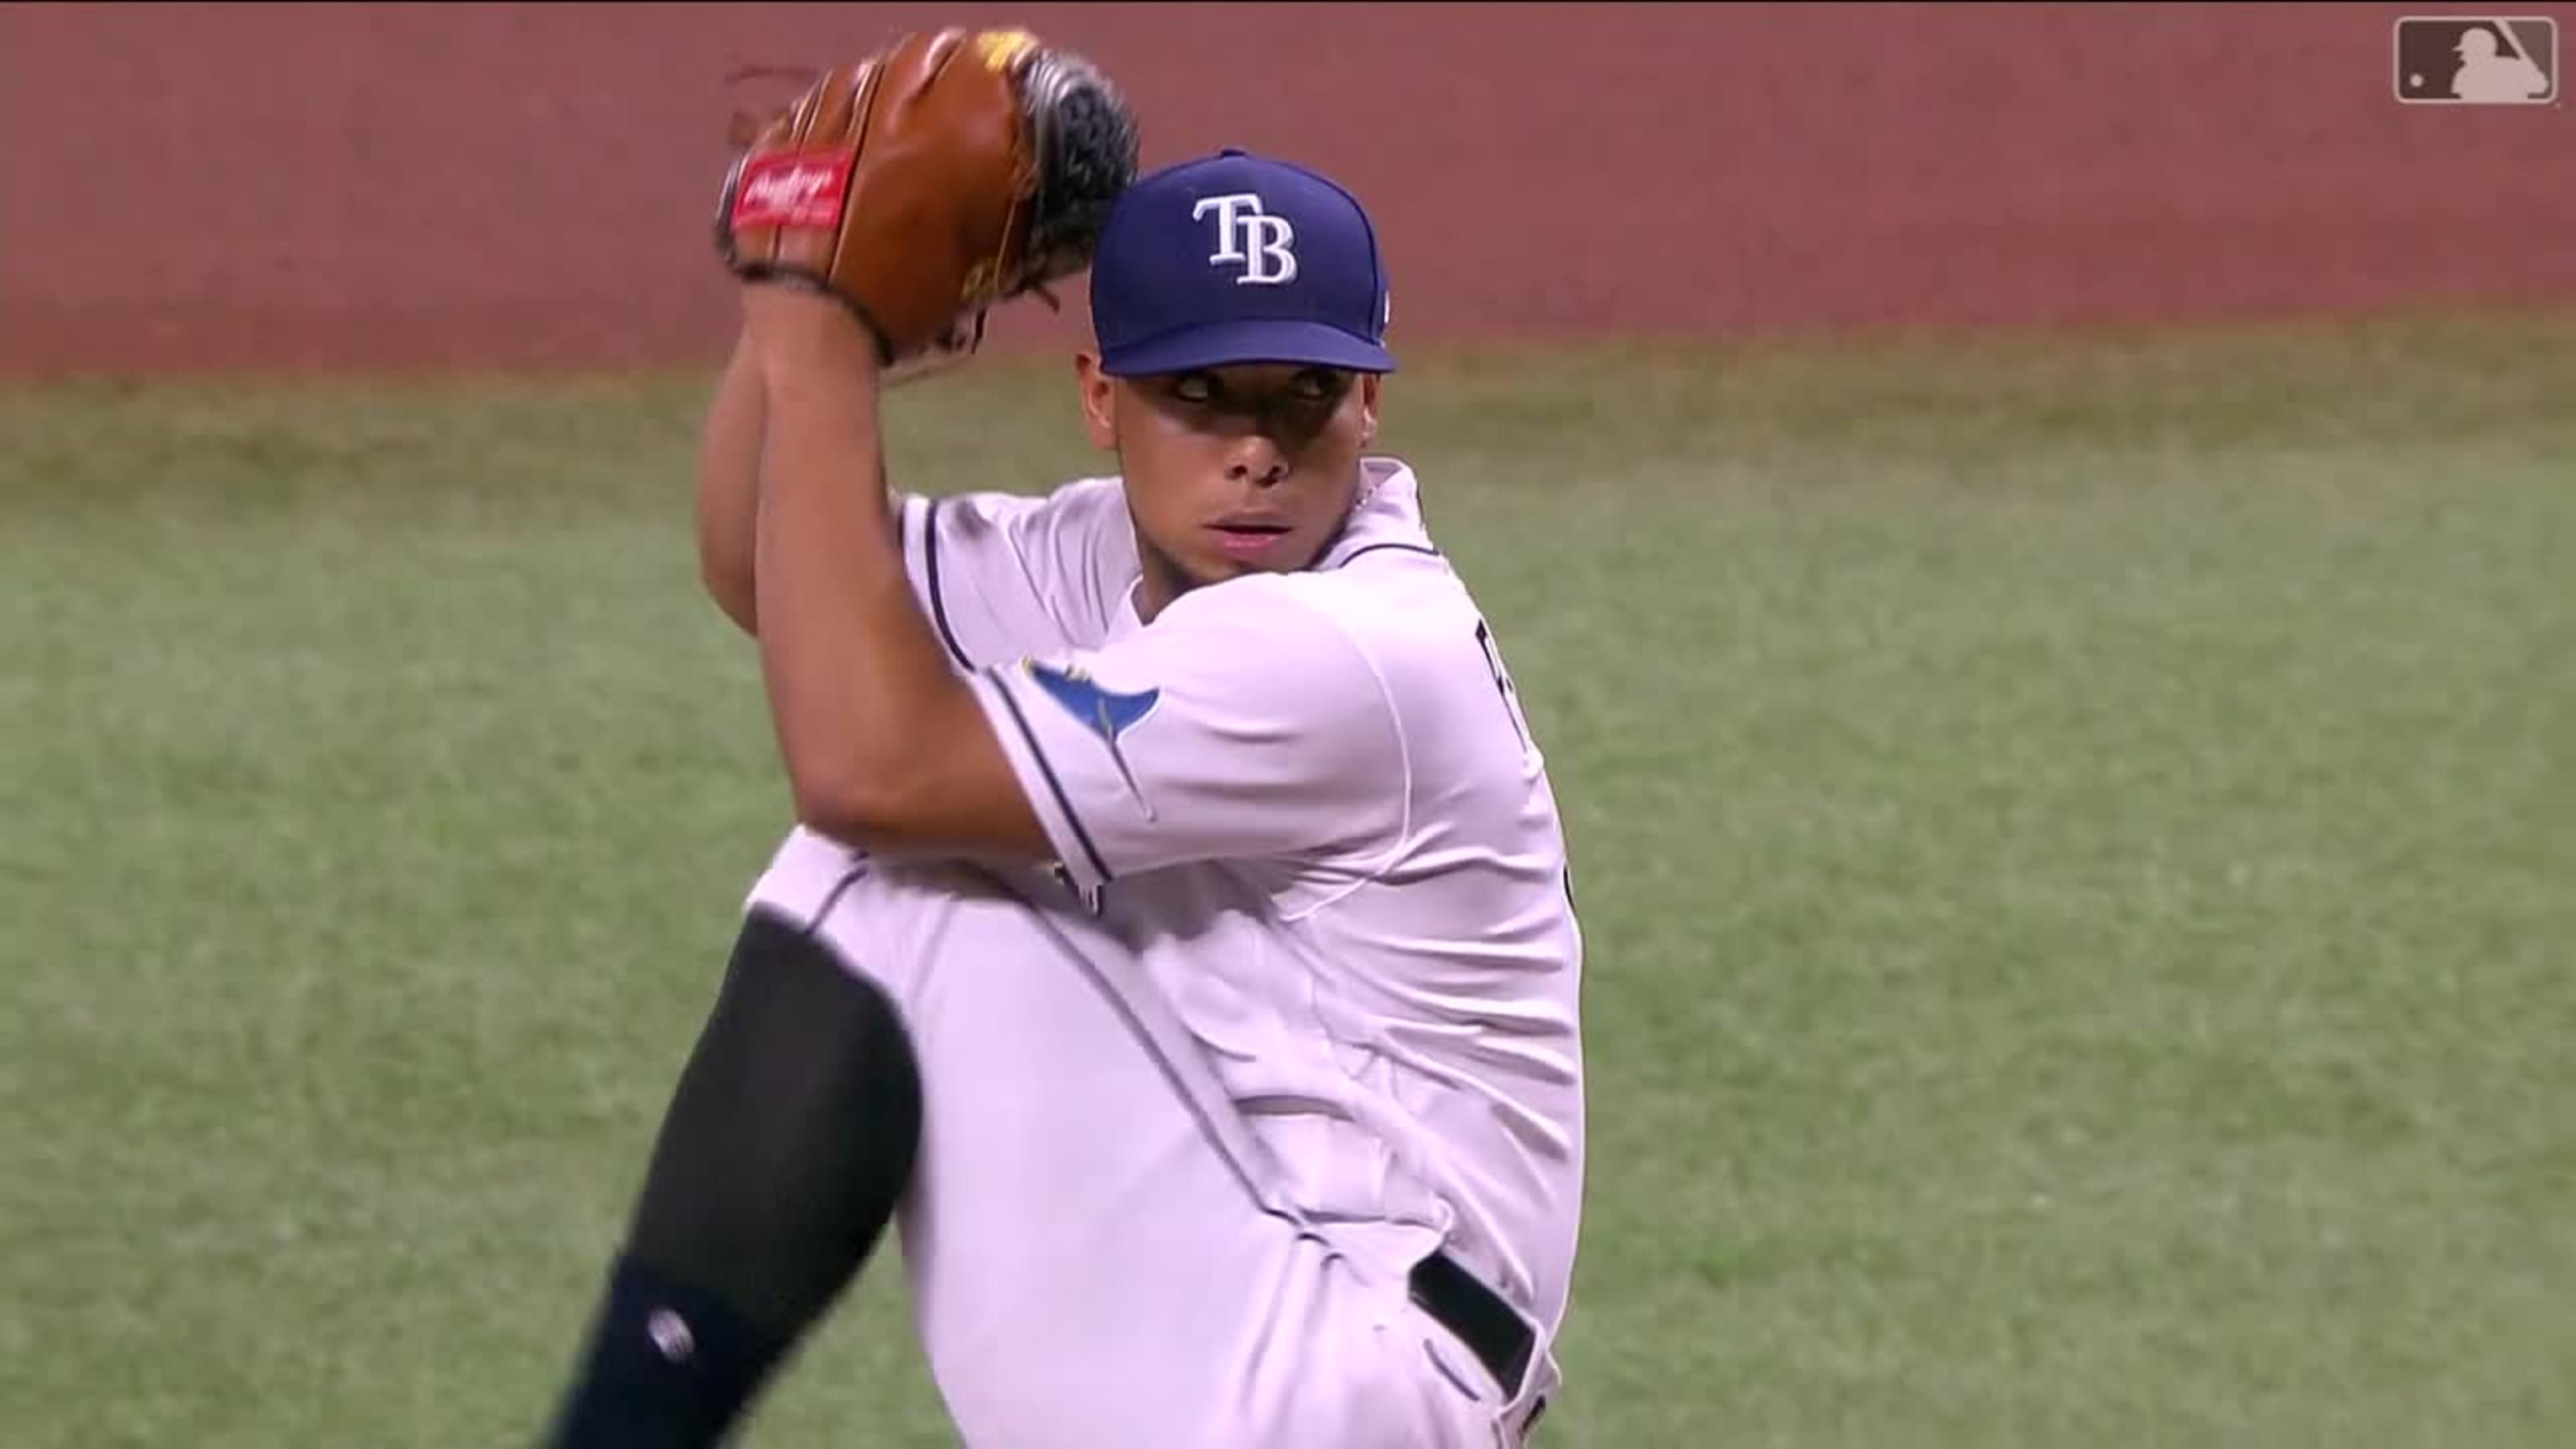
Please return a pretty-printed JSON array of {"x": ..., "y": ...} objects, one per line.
[{"x": 1499, "y": 1337}]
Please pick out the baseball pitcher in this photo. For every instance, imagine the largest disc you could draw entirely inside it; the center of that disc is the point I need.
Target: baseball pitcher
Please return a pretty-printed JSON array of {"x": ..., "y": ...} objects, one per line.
[{"x": 1176, "y": 943}]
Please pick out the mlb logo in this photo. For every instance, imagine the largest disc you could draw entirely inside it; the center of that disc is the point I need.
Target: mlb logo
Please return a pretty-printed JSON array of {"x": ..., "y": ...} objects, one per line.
[{"x": 2477, "y": 60}]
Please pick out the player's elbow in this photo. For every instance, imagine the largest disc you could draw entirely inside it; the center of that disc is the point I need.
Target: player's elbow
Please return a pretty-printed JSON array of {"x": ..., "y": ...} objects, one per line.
[
  {"x": 858, "y": 795},
  {"x": 841, "y": 798},
  {"x": 883, "y": 812},
  {"x": 732, "y": 587},
  {"x": 945, "y": 788}
]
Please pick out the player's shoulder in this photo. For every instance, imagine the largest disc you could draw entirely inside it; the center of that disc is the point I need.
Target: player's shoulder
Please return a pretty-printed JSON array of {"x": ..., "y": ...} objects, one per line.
[
  {"x": 1376, "y": 598},
  {"x": 1080, "y": 503},
  {"x": 1279, "y": 606},
  {"x": 1077, "y": 530},
  {"x": 1087, "y": 526},
  {"x": 1276, "y": 637},
  {"x": 1099, "y": 498},
  {"x": 1344, "y": 624}
]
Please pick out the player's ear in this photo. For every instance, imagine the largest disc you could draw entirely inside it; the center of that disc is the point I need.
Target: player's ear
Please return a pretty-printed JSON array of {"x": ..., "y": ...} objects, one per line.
[
  {"x": 1369, "y": 382},
  {"x": 1099, "y": 401}
]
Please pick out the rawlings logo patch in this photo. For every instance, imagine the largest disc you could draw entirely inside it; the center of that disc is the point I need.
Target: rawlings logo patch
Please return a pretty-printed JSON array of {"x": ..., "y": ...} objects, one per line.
[{"x": 804, "y": 190}]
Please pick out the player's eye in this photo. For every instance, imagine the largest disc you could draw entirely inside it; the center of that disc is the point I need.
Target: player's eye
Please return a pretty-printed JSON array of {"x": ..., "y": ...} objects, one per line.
[
  {"x": 1195, "y": 387},
  {"x": 1318, "y": 384}
]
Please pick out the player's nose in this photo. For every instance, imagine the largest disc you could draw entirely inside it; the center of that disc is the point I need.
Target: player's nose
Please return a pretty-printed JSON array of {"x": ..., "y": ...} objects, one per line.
[{"x": 1255, "y": 459}]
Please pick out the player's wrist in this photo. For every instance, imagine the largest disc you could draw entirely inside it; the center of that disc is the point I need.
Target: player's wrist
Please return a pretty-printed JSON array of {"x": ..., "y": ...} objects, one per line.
[{"x": 800, "y": 334}]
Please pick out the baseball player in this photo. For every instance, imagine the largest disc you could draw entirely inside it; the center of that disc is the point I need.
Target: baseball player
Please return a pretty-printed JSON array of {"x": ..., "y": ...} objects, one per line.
[{"x": 1176, "y": 943}]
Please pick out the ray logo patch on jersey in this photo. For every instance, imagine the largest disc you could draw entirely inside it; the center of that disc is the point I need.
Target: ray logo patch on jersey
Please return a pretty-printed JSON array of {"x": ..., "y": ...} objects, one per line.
[{"x": 1106, "y": 712}]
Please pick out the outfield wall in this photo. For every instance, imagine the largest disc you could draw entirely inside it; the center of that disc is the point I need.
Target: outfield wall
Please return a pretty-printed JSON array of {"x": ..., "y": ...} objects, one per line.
[{"x": 215, "y": 186}]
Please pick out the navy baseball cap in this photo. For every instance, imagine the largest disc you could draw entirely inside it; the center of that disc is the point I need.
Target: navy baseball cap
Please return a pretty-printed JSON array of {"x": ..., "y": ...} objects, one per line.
[{"x": 1237, "y": 258}]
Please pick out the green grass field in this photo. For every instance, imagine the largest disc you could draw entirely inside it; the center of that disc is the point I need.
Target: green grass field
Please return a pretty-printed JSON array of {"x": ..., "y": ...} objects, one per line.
[{"x": 2078, "y": 844}]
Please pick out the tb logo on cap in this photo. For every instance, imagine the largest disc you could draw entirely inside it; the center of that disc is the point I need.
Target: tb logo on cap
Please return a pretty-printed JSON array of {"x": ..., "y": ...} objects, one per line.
[{"x": 1250, "y": 237}]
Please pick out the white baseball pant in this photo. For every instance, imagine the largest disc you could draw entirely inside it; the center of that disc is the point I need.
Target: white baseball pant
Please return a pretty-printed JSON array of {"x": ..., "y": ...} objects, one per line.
[{"x": 1089, "y": 1261}]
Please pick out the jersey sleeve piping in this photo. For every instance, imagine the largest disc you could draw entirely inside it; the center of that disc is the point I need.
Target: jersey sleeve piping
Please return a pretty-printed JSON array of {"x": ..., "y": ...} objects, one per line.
[
  {"x": 930, "y": 584},
  {"x": 1097, "y": 868},
  {"x": 1369, "y": 548}
]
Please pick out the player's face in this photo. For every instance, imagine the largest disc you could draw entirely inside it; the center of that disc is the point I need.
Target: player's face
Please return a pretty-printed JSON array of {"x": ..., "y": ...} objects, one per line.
[{"x": 1233, "y": 470}]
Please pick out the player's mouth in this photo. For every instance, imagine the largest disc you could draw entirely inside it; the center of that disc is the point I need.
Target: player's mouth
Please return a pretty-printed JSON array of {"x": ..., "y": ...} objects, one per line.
[{"x": 1250, "y": 537}]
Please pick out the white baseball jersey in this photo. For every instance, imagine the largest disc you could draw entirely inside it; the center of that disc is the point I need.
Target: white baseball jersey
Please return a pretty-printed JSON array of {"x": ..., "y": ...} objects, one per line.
[
  {"x": 1311, "y": 803},
  {"x": 1308, "y": 807},
  {"x": 1003, "y": 575}
]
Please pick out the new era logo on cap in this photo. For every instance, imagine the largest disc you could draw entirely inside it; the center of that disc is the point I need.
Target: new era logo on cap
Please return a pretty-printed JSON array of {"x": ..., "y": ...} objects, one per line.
[
  {"x": 1237, "y": 258},
  {"x": 2477, "y": 60}
]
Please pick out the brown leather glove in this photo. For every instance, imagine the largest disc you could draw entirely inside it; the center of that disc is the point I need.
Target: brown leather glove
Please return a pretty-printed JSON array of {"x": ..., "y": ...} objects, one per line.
[{"x": 922, "y": 185}]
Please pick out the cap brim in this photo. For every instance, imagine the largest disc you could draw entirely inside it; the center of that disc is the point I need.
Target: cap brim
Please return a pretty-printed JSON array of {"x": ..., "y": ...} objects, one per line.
[{"x": 1235, "y": 343}]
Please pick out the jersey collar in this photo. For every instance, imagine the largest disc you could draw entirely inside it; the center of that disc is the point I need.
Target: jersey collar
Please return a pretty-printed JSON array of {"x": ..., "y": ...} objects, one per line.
[{"x": 1388, "y": 514}]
